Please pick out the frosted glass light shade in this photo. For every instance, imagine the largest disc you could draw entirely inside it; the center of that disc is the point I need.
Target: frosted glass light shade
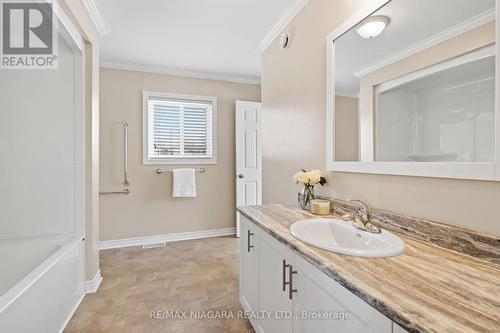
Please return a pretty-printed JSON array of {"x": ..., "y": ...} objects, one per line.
[{"x": 372, "y": 26}]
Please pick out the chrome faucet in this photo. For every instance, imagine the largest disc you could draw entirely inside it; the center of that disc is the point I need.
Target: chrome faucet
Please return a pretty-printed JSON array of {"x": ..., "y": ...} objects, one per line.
[{"x": 361, "y": 219}]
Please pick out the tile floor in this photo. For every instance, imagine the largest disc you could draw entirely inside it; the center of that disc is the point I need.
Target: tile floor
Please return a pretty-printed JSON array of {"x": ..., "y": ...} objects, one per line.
[{"x": 195, "y": 275}]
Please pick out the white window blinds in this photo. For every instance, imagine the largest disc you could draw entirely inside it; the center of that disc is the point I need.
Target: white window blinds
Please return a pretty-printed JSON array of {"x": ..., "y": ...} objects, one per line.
[{"x": 179, "y": 129}]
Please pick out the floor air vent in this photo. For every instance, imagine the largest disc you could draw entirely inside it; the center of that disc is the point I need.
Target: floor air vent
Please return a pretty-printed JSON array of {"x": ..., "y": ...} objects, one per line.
[{"x": 153, "y": 245}]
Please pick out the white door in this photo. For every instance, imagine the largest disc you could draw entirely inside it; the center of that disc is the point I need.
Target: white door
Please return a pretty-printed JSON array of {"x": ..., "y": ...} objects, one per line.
[{"x": 248, "y": 156}]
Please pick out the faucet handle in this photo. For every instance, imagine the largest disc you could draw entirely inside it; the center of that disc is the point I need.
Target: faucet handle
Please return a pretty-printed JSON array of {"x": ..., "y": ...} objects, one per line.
[
  {"x": 355, "y": 219},
  {"x": 347, "y": 217},
  {"x": 373, "y": 228},
  {"x": 361, "y": 208},
  {"x": 360, "y": 219}
]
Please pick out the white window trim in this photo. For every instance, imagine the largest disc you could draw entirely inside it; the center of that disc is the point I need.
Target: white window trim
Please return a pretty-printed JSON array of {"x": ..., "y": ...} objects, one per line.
[{"x": 146, "y": 160}]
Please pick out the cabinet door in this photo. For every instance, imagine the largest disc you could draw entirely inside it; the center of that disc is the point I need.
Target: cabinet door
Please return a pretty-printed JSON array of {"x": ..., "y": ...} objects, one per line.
[
  {"x": 398, "y": 329},
  {"x": 248, "y": 266},
  {"x": 274, "y": 302},
  {"x": 318, "y": 294}
]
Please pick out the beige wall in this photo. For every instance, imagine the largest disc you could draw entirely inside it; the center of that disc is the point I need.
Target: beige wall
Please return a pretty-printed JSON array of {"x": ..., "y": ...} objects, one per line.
[
  {"x": 79, "y": 16},
  {"x": 294, "y": 95},
  {"x": 150, "y": 208},
  {"x": 346, "y": 128}
]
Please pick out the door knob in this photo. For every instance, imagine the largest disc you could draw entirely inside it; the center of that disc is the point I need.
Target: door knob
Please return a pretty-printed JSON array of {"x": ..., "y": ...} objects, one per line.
[{"x": 241, "y": 175}]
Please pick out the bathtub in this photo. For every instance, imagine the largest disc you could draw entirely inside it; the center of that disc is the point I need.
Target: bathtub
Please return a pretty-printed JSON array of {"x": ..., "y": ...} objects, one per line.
[{"x": 41, "y": 283}]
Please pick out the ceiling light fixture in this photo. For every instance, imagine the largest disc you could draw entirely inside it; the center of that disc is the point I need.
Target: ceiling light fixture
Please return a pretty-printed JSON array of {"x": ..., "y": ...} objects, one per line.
[{"x": 372, "y": 26}]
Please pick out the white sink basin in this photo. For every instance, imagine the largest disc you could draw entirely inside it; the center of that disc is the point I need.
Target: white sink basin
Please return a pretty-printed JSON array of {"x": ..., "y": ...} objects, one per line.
[{"x": 341, "y": 237}]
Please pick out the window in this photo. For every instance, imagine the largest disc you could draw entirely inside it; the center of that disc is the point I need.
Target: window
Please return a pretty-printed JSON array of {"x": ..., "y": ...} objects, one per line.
[{"x": 179, "y": 129}]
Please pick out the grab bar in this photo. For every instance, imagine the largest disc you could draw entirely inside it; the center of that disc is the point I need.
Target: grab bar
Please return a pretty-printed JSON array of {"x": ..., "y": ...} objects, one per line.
[
  {"x": 125, "y": 163},
  {"x": 160, "y": 171},
  {"x": 125, "y": 191},
  {"x": 125, "y": 153}
]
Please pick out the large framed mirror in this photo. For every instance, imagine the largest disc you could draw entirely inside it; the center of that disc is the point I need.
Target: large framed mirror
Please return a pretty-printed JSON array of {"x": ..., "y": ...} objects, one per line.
[{"x": 412, "y": 90}]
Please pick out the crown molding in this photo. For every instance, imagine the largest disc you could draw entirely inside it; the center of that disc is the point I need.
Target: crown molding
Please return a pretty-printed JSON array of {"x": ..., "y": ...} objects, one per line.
[
  {"x": 282, "y": 22},
  {"x": 441, "y": 37},
  {"x": 346, "y": 94},
  {"x": 96, "y": 17},
  {"x": 245, "y": 79}
]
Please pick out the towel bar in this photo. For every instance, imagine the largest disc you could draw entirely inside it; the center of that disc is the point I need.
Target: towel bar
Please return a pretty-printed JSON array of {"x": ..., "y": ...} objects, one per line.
[{"x": 161, "y": 171}]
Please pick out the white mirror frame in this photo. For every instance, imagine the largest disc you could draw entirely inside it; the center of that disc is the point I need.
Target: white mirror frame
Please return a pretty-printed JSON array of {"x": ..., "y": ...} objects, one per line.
[{"x": 460, "y": 170}]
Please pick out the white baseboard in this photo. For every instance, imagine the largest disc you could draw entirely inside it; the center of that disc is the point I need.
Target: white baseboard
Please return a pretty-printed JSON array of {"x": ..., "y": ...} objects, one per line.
[
  {"x": 91, "y": 286},
  {"x": 148, "y": 240},
  {"x": 71, "y": 313}
]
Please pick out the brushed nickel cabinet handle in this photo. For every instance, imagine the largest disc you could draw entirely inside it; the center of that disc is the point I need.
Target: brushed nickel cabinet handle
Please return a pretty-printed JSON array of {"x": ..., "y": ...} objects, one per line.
[
  {"x": 285, "y": 266},
  {"x": 290, "y": 282},
  {"x": 248, "y": 241}
]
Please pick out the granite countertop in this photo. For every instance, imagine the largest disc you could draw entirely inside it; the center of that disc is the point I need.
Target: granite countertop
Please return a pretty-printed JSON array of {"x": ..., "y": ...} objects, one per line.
[{"x": 428, "y": 288}]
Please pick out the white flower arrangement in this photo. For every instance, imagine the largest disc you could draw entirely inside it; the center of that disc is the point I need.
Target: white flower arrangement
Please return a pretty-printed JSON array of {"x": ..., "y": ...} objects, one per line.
[{"x": 309, "y": 178}]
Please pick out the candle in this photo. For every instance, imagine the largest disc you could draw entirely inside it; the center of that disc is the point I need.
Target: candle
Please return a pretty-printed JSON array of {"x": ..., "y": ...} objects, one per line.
[{"x": 320, "y": 207}]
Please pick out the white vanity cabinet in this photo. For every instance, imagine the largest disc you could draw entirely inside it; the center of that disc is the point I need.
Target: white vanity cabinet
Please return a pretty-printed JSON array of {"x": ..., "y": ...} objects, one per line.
[
  {"x": 274, "y": 302},
  {"x": 262, "y": 290},
  {"x": 318, "y": 294},
  {"x": 248, "y": 268},
  {"x": 398, "y": 329},
  {"x": 269, "y": 269}
]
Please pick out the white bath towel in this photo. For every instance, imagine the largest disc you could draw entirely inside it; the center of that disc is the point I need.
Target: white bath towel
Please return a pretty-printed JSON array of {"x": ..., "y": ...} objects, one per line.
[{"x": 184, "y": 185}]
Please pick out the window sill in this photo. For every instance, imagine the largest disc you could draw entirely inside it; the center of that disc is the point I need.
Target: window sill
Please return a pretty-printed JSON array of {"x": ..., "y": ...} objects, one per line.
[{"x": 190, "y": 161}]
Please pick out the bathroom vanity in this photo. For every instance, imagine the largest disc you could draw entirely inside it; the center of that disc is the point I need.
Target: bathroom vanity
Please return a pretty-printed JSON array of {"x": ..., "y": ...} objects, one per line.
[{"x": 289, "y": 286}]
